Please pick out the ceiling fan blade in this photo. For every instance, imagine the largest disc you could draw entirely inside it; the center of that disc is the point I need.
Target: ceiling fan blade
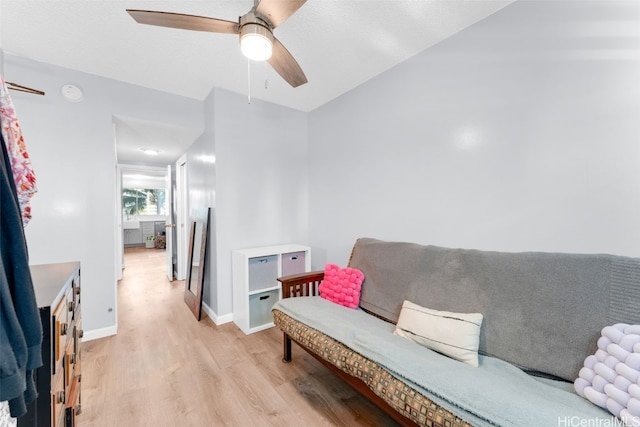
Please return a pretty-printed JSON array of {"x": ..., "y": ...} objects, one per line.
[
  {"x": 185, "y": 22},
  {"x": 277, "y": 11},
  {"x": 285, "y": 65}
]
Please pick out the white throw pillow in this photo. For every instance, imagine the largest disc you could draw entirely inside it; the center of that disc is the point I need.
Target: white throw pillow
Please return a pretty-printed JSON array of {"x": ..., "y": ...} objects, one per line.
[
  {"x": 456, "y": 335},
  {"x": 610, "y": 378}
]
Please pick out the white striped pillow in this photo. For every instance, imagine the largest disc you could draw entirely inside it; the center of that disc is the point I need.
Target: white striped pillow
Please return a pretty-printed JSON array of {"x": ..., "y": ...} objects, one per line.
[{"x": 456, "y": 335}]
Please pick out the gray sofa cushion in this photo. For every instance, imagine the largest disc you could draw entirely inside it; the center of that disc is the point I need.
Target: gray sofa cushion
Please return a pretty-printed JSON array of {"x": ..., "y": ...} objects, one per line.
[{"x": 542, "y": 311}]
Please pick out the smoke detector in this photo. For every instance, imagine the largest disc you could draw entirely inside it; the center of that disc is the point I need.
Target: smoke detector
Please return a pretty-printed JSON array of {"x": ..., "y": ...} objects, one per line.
[{"x": 72, "y": 93}]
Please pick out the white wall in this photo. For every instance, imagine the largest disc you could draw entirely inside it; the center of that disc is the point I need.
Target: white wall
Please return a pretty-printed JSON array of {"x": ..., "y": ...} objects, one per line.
[
  {"x": 249, "y": 165},
  {"x": 261, "y": 195},
  {"x": 519, "y": 133},
  {"x": 201, "y": 171},
  {"x": 73, "y": 155},
  {"x": 262, "y": 183}
]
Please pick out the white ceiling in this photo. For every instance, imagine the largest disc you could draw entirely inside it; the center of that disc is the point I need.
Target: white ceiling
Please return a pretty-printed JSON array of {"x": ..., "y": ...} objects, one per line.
[
  {"x": 133, "y": 134},
  {"x": 338, "y": 43},
  {"x": 143, "y": 177}
]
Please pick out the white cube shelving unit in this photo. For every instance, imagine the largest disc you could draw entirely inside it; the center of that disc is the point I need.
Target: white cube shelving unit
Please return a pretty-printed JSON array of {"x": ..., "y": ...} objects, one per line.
[{"x": 255, "y": 285}]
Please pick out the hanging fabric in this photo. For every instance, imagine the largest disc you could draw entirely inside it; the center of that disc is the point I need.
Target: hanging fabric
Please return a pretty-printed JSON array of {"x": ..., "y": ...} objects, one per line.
[
  {"x": 23, "y": 175},
  {"x": 20, "y": 325}
]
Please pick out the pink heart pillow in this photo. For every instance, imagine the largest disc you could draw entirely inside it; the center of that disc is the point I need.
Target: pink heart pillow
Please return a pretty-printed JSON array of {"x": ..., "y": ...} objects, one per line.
[{"x": 342, "y": 285}]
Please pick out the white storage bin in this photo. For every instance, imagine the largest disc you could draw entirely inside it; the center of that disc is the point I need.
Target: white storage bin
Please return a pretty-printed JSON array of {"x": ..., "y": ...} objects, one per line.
[
  {"x": 260, "y": 308},
  {"x": 255, "y": 281},
  {"x": 293, "y": 263},
  {"x": 263, "y": 272}
]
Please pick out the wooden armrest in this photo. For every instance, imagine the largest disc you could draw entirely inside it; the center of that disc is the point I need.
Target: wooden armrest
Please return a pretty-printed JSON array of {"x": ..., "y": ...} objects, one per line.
[{"x": 301, "y": 285}]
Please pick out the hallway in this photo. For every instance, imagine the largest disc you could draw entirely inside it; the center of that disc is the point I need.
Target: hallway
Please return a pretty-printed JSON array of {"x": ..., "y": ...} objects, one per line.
[{"x": 164, "y": 368}]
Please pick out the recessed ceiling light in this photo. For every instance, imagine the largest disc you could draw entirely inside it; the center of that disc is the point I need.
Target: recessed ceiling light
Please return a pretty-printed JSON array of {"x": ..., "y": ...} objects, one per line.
[
  {"x": 72, "y": 93},
  {"x": 150, "y": 151}
]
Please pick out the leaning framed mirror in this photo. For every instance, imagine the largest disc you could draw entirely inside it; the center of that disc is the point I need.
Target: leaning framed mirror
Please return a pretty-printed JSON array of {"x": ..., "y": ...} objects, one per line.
[{"x": 196, "y": 261}]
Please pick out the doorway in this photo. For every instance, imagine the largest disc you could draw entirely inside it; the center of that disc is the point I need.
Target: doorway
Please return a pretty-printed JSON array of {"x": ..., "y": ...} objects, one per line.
[
  {"x": 147, "y": 150},
  {"x": 152, "y": 212},
  {"x": 144, "y": 194}
]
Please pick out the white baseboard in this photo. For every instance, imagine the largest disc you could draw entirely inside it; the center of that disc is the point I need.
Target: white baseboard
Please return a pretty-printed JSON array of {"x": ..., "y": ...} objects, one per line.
[
  {"x": 218, "y": 320},
  {"x": 99, "y": 333},
  {"x": 113, "y": 330}
]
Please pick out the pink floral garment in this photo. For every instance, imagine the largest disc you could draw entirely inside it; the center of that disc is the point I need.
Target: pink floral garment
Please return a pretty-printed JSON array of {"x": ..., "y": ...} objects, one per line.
[{"x": 23, "y": 175}]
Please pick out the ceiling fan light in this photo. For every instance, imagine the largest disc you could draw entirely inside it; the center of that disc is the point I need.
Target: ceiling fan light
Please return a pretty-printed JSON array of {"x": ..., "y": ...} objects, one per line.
[
  {"x": 256, "y": 42},
  {"x": 150, "y": 151}
]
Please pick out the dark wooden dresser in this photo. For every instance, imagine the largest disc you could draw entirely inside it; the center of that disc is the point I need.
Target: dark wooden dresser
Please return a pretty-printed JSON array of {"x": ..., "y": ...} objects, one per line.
[{"x": 57, "y": 288}]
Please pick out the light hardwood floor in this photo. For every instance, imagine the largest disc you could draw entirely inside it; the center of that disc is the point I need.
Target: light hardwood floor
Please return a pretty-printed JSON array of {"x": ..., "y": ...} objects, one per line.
[{"x": 164, "y": 368}]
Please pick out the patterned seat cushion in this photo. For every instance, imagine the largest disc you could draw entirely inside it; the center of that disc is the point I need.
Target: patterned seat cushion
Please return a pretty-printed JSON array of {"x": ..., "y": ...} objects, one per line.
[{"x": 395, "y": 392}]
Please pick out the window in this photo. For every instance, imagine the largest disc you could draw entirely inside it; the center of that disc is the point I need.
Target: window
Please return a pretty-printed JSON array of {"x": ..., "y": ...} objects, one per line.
[{"x": 144, "y": 201}]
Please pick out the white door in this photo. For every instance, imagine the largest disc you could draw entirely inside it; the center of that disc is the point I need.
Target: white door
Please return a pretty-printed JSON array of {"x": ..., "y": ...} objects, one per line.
[
  {"x": 168, "y": 227},
  {"x": 182, "y": 233},
  {"x": 119, "y": 230}
]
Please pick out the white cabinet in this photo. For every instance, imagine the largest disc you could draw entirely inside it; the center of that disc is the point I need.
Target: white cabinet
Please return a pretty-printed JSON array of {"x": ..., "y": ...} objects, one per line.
[
  {"x": 136, "y": 233},
  {"x": 255, "y": 281},
  {"x": 132, "y": 236}
]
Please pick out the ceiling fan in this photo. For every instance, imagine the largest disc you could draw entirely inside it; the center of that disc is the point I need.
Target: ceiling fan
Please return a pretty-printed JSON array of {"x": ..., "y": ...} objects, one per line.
[{"x": 255, "y": 29}]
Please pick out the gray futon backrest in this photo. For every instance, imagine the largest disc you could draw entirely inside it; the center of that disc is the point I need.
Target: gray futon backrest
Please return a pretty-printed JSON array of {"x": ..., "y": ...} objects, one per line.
[{"x": 542, "y": 311}]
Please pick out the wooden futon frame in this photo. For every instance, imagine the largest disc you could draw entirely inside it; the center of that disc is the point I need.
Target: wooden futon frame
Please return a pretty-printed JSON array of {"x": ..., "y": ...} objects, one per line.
[{"x": 304, "y": 285}]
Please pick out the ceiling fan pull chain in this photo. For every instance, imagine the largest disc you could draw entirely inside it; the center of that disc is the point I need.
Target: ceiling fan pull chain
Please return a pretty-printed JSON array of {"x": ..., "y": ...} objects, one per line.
[
  {"x": 266, "y": 76},
  {"x": 249, "y": 80}
]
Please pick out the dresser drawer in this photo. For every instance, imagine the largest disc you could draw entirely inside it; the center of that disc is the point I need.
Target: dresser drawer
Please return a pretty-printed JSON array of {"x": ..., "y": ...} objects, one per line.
[
  {"x": 70, "y": 359},
  {"x": 73, "y": 407},
  {"x": 77, "y": 339},
  {"x": 60, "y": 331},
  {"x": 76, "y": 291},
  {"x": 71, "y": 304},
  {"x": 58, "y": 399}
]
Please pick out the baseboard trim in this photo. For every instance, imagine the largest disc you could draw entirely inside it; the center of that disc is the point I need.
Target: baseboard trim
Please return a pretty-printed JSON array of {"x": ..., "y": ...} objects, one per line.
[
  {"x": 99, "y": 333},
  {"x": 113, "y": 330},
  {"x": 218, "y": 320}
]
